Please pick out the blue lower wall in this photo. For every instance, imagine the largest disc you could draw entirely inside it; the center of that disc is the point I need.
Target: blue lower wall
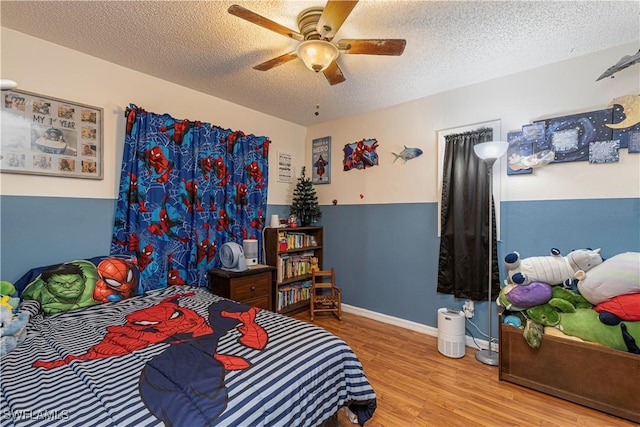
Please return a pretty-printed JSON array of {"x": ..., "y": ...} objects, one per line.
[
  {"x": 533, "y": 227},
  {"x": 37, "y": 231},
  {"x": 385, "y": 256}
]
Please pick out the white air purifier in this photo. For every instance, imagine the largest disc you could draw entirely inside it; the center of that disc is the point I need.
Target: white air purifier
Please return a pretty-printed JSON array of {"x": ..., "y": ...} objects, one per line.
[
  {"x": 250, "y": 247},
  {"x": 451, "y": 337}
]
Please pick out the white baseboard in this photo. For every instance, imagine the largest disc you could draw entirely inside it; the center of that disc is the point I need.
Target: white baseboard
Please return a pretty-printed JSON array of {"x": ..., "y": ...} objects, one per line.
[{"x": 408, "y": 324}]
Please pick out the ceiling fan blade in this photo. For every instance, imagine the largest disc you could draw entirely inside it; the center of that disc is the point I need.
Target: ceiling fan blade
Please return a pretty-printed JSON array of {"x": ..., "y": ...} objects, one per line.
[
  {"x": 267, "y": 65},
  {"x": 333, "y": 16},
  {"x": 393, "y": 47},
  {"x": 333, "y": 73},
  {"x": 254, "y": 18}
]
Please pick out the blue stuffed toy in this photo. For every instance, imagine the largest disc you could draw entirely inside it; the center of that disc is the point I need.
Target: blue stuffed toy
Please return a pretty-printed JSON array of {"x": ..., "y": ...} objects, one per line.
[{"x": 13, "y": 329}]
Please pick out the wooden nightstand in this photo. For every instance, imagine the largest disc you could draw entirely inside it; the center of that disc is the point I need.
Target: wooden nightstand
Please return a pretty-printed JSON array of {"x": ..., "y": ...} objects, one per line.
[{"x": 253, "y": 286}]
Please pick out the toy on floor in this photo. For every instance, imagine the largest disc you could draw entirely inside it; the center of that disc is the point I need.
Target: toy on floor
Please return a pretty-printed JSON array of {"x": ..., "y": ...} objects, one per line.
[{"x": 553, "y": 269}]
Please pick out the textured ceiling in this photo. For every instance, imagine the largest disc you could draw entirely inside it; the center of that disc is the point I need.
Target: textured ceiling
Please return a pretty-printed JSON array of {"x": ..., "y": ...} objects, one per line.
[{"x": 450, "y": 44}]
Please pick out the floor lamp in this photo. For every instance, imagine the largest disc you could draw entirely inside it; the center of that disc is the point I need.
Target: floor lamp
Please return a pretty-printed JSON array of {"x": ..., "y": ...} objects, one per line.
[{"x": 489, "y": 152}]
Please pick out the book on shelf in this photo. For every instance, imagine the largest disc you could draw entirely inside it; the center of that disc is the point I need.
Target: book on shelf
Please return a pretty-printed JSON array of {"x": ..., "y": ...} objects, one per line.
[
  {"x": 293, "y": 265},
  {"x": 293, "y": 293},
  {"x": 296, "y": 240},
  {"x": 282, "y": 241}
]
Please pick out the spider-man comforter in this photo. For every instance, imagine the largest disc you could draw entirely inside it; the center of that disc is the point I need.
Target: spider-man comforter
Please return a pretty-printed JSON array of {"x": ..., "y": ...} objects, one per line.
[{"x": 179, "y": 356}]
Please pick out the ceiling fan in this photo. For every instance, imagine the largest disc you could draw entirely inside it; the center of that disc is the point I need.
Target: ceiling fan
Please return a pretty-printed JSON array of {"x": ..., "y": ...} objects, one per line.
[{"x": 317, "y": 27}]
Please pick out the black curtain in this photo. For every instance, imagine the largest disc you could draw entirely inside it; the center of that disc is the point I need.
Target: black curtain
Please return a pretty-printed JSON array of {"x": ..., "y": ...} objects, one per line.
[{"x": 463, "y": 261}]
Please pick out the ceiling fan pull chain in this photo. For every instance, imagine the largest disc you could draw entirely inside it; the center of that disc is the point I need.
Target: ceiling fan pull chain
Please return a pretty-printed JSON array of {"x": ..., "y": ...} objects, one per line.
[{"x": 318, "y": 83}]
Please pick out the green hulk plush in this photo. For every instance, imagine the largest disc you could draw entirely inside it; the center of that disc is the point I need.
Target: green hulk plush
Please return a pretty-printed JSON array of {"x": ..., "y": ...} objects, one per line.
[{"x": 64, "y": 287}]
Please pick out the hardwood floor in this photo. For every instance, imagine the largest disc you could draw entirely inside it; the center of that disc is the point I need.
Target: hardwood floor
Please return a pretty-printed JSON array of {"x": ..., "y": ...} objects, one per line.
[{"x": 417, "y": 386}]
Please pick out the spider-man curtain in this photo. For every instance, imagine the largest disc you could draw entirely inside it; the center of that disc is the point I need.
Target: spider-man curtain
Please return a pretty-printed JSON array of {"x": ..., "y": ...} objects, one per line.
[{"x": 185, "y": 189}]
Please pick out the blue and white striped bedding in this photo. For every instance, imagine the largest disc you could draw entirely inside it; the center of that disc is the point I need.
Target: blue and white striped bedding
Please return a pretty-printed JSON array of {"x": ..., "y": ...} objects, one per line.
[{"x": 301, "y": 377}]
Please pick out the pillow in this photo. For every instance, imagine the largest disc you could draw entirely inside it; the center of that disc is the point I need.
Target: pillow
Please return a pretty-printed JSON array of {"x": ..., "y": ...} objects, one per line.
[
  {"x": 618, "y": 275},
  {"x": 82, "y": 283}
]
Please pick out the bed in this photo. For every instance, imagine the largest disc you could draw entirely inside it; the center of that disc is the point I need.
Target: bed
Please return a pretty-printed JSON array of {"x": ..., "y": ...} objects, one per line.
[{"x": 179, "y": 356}]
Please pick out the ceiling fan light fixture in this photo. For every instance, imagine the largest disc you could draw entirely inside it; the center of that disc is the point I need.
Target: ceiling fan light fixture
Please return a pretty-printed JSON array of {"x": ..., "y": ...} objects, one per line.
[{"x": 317, "y": 55}]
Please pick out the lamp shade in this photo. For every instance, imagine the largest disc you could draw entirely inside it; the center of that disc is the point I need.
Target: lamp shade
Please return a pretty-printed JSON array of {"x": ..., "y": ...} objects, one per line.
[
  {"x": 491, "y": 150},
  {"x": 317, "y": 55}
]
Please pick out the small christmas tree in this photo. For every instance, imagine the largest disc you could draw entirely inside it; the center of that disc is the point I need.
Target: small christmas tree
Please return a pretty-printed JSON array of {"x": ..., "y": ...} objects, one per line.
[{"x": 305, "y": 201}]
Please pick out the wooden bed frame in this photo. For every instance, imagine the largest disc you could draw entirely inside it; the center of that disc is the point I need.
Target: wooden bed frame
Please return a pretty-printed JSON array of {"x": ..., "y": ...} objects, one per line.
[{"x": 588, "y": 374}]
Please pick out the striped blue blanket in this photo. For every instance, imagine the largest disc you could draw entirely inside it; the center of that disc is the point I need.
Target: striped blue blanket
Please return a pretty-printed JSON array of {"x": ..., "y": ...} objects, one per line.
[{"x": 183, "y": 357}]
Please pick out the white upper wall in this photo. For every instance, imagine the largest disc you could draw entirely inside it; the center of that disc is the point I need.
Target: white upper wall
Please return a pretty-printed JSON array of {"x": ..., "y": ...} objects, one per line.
[
  {"x": 563, "y": 88},
  {"x": 48, "y": 69},
  {"x": 558, "y": 89}
]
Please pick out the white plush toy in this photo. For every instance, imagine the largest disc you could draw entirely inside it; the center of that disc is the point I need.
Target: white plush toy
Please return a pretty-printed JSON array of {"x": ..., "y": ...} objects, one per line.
[{"x": 553, "y": 269}]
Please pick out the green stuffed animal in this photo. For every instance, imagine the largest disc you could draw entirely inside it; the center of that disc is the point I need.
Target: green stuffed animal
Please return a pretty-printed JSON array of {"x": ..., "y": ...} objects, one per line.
[
  {"x": 543, "y": 314},
  {"x": 576, "y": 300},
  {"x": 562, "y": 301},
  {"x": 549, "y": 314},
  {"x": 572, "y": 314},
  {"x": 7, "y": 298},
  {"x": 585, "y": 324},
  {"x": 533, "y": 333}
]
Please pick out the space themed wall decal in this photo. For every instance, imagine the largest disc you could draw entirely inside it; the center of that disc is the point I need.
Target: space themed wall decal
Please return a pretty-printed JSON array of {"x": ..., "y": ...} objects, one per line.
[
  {"x": 604, "y": 151},
  {"x": 570, "y": 136},
  {"x": 626, "y": 121},
  {"x": 595, "y": 136},
  {"x": 629, "y": 108}
]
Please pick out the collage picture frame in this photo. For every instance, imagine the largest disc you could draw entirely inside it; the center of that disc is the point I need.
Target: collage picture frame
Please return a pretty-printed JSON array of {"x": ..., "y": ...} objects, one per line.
[{"x": 42, "y": 135}]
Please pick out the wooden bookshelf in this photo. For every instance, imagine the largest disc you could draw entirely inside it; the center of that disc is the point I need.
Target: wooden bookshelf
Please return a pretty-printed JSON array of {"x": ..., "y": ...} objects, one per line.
[{"x": 289, "y": 250}]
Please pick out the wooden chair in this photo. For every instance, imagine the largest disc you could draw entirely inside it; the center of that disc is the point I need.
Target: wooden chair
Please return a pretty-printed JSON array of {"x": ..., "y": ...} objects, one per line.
[{"x": 325, "y": 295}]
